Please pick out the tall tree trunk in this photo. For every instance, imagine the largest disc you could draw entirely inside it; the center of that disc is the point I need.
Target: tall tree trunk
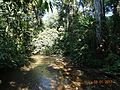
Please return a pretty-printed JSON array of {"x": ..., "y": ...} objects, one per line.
[
  {"x": 100, "y": 17},
  {"x": 100, "y": 28}
]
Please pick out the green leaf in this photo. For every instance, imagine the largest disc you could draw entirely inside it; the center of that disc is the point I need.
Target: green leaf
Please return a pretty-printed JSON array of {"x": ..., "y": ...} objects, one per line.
[
  {"x": 72, "y": 1},
  {"x": 40, "y": 2},
  {"x": 46, "y": 6},
  {"x": 27, "y": 1}
]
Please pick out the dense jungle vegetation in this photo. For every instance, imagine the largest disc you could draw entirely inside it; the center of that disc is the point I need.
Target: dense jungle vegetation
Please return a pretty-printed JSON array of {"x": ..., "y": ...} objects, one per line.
[{"x": 85, "y": 31}]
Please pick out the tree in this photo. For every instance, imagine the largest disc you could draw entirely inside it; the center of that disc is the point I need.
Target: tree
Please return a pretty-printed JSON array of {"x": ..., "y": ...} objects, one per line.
[
  {"x": 100, "y": 16},
  {"x": 20, "y": 19}
]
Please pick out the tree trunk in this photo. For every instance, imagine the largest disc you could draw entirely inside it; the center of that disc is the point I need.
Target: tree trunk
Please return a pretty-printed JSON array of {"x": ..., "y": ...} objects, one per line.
[
  {"x": 100, "y": 17},
  {"x": 101, "y": 30}
]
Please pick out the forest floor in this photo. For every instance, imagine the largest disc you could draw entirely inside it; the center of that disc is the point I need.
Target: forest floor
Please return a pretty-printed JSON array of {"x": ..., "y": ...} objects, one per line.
[{"x": 53, "y": 73}]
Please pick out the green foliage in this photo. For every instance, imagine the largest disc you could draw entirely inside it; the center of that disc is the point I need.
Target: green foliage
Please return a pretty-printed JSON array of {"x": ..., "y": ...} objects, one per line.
[
  {"x": 77, "y": 44},
  {"x": 71, "y": 33},
  {"x": 78, "y": 39},
  {"x": 44, "y": 41},
  {"x": 112, "y": 63},
  {"x": 17, "y": 27}
]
